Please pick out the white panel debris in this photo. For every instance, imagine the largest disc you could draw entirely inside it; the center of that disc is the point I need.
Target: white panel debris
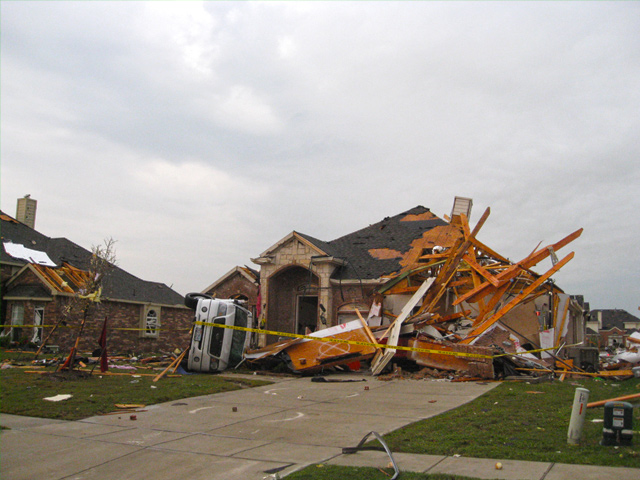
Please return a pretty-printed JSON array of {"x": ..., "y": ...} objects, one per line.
[{"x": 32, "y": 256}]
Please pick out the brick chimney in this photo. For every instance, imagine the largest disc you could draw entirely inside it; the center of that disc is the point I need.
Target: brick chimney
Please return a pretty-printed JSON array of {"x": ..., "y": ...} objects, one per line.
[{"x": 26, "y": 211}]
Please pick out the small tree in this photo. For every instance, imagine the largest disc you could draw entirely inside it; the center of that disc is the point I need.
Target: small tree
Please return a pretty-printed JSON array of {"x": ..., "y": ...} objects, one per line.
[{"x": 83, "y": 304}]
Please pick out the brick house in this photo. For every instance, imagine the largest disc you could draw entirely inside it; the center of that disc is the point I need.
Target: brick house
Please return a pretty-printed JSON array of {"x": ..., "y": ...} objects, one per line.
[
  {"x": 40, "y": 276},
  {"x": 611, "y": 327},
  {"x": 307, "y": 284},
  {"x": 239, "y": 283}
]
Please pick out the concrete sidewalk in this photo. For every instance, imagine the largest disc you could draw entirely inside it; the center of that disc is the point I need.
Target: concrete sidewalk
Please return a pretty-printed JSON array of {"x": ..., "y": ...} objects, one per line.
[{"x": 255, "y": 434}]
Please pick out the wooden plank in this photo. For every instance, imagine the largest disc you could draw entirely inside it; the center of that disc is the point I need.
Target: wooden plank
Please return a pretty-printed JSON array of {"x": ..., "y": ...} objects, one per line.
[
  {"x": 381, "y": 360},
  {"x": 479, "y": 329},
  {"x": 485, "y": 249},
  {"x": 515, "y": 269},
  {"x": 481, "y": 270},
  {"x": 365, "y": 325},
  {"x": 617, "y": 399},
  {"x": 175, "y": 363}
]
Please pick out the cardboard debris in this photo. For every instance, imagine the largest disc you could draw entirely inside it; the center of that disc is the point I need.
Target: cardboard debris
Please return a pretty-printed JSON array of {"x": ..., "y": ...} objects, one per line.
[{"x": 308, "y": 356}]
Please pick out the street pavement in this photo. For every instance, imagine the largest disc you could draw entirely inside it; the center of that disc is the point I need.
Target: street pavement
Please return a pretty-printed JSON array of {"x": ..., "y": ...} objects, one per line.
[{"x": 259, "y": 433}]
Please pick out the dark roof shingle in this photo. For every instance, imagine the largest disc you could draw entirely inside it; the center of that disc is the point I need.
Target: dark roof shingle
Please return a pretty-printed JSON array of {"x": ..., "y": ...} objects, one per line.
[
  {"x": 392, "y": 233},
  {"x": 118, "y": 285}
]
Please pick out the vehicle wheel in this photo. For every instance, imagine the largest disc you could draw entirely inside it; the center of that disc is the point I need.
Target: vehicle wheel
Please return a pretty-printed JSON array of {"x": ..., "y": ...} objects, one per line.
[{"x": 191, "y": 299}]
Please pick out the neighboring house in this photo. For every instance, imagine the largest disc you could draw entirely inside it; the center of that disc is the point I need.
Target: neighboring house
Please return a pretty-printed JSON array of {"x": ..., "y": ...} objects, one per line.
[
  {"x": 239, "y": 283},
  {"x": 40, "y": 276},
  {"x": 612, "y": 326}
]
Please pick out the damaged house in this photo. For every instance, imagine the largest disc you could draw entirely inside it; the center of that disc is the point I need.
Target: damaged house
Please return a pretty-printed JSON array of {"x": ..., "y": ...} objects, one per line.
[
  {"x": 41, "y": 275},
  {"x": 424, "y": 284}
]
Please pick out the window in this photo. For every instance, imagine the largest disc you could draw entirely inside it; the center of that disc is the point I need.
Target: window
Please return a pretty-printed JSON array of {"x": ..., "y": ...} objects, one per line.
[
  {"x": 150, "y": 322},
  {"x": 38, "y": 319},
  {"x": 17, "y": 318},
  {"x": 614, "y": 340}
]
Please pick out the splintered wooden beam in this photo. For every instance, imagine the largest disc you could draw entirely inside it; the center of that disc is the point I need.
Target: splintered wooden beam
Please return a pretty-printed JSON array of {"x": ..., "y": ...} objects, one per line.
[
  {"x": 476, "y": 281},
  {"x": 481, "y": 270},
  {"x": 483, "y": 326},
  {"x": 450, "y": 267},
  {"x": 515, "y": 269},
  {"x": 366, "y": 328},
  {"x": 491, "y": 304},
  {"x": 175, "y": 363},
  {"x": 488, "y": 251},
  {"x": 432, "y": 320},
  {"x": 381, "y": 360}
]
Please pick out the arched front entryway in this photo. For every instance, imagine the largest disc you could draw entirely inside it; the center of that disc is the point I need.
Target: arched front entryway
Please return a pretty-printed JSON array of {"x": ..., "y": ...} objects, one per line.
[{"x": 292, "y": 306}]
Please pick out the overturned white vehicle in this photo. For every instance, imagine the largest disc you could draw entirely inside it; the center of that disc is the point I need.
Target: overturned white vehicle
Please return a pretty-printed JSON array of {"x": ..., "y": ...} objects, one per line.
[{"x": 214, "y": 349}]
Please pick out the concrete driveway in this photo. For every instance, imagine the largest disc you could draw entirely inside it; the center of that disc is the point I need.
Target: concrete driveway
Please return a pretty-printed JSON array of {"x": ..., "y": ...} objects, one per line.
[{"x": 245, "y": 434}]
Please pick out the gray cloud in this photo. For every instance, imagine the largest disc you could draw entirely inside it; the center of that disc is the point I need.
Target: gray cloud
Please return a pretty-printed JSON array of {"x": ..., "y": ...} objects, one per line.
[{"x": 198, "y": 134}]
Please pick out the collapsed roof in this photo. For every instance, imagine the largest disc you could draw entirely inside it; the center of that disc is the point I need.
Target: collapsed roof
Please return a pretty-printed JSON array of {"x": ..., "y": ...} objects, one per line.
[{"x": 65, "y": 254}]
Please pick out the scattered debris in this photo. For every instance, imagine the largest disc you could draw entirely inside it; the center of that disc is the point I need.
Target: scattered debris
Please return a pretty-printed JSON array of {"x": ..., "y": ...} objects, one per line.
[
  {"x": 455, "y": 311},
  {"x": 601, "y": 403},
  {"x": 58, "y": 398},
  {"x": 463, "y": 312},
  {"x": 351, "y": 450},
  {"x": 336, "y": 380}
]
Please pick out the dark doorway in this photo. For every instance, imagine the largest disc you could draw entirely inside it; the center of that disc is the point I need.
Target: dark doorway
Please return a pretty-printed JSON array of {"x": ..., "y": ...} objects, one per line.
[
  {"x": 307, "y": 315},
  {"x": 283, "y": 306}
]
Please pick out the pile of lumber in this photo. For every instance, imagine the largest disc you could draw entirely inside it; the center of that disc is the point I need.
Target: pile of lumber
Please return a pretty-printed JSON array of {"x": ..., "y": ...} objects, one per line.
[{"x": 467, "y": 310}]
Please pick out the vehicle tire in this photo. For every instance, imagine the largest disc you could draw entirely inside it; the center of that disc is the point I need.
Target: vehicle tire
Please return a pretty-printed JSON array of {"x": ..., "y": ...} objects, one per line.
[{"x": 191, "y": 299}]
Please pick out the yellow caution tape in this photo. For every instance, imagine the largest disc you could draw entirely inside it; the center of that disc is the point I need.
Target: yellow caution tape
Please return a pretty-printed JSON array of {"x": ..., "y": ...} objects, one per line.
[
  {"x": 309, "y": 337},
  {"x": 368, "y": 344},
  {"x": 108, "y": 328},
  {"x": 349, "y": 342}
]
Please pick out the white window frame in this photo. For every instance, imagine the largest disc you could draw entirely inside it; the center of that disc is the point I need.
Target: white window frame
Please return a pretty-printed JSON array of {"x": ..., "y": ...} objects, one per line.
[
  {"x": 148, "y": 329},
  {"x": 17, "y": 318},
  {"x": 38, "y": 319}
]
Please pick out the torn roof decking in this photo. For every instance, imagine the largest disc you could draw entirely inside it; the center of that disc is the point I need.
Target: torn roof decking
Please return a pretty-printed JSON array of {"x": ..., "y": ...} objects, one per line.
[
  {"x": 64, "y": 279},
  {"x": 389, "y": 246},
  {"x": 118, "y": 284},
  {"x": 495, "y": 286}
]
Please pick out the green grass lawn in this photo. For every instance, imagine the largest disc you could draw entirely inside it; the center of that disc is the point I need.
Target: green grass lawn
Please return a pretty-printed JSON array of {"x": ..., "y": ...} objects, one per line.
[
  {"x": 332, "y": 472},
  {"x": 22, "y": 393},
  {"x": 514, "y": 421},
  {"x": 509, "y": 422}
]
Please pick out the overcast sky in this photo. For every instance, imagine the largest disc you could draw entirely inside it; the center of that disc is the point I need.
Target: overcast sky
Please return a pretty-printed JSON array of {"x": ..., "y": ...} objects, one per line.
[{"x": 197, "y": 135}]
